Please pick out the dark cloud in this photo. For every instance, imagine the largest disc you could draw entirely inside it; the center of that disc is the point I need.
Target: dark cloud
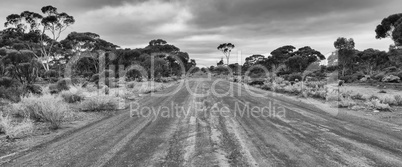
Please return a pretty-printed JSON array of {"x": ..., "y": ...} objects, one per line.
[
  {"x": 198, "y": 26},
  {"x": 233, "y": 12}
]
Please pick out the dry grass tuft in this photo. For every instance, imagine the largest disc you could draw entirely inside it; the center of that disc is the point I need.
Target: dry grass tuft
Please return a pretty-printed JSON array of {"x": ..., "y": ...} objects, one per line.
[
  {"x": 14, "y": 129},
  {"x": 100, "y": 103},
  {"x": 376, "y": 104},
  {"x": 46, "y": 108}
]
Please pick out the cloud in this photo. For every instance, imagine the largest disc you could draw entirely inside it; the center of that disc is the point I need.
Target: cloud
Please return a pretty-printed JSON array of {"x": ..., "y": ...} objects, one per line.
[{"x": 198, "y": 27}]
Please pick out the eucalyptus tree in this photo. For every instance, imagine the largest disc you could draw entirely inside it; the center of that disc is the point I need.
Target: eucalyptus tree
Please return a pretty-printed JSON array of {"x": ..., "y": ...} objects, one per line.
[
  {"x": 391, "y": 27},
  {"x": 39, "y": 32},
  {"x": 226, "y": 49},
  {"x": 346, "y": 53}
]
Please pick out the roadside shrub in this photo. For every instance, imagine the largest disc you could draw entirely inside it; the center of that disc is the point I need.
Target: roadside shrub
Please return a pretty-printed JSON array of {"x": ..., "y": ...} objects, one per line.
[
  {"x": 373, "y": 97},
  {"x": 318, "y": 75},
  {"x": 63, "y": 84},
  {"x": 358, "y": 75},
  {"x": 389, "y": 101},
  {"x": 350, "y": 78},
  {"x": 91, "y": 88},
  {"x": 100, "y": 103},
  {"x": 292, "y": 90},
  {"x": 376, "y": 104},
  {"x": 267, "y": 86},
  {"x": 398, "y": 100},
  {"x": 175, "y": 78},
  {"x": 134, "y": 75},
  {"x": 293, "y": 77},
  {"x": 346, "y": 103},
  {"x": 316, "y": 84},
  {"x": 347, "y": 94},
  {"x": 130, "y": 85},
  {"x": 379, "y": 76},
  {"x": 321, "y": 94},
  {"x": 72, "y": 97},
  {"x": 166, "y": 79},
  {"x": 278, "y": 80},
  {"x": 305, "y": 94},
  {"x": 332, "y": 97},
  {"x": 358, "y": 97},
  {"x": 333, "y": 77},
  {"x": 46, "y": 108},
  {"x": 15, "y": 129},
  {"x": 53, "y": 89},
  {"x": 148, "y": 87},
  {"x": 257, "y": 83},
  {"x": 382, "y": 91}
]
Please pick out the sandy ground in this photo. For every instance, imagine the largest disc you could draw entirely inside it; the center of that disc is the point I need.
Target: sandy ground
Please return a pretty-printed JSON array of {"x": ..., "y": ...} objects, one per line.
[
  {"x": 42, "y": 134},
  {"x": 221, "y": 131}
]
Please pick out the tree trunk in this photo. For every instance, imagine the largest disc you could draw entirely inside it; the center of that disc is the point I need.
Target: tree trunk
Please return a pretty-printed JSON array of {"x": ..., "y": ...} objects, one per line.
[{"x": 343, "y": 70}]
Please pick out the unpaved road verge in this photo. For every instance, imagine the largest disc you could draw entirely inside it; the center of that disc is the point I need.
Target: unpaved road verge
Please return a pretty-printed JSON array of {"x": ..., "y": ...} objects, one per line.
[{"x": 216, "y": 130}]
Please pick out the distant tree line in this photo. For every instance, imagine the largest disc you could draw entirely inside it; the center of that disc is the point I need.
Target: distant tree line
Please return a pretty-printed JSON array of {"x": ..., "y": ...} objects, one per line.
[
  {"x": 31, "y": 50},
  {"x": 350, "y": 64}
]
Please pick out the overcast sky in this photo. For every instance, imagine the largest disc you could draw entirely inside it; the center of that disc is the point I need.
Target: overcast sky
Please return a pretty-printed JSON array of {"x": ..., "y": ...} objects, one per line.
[{"x": 199, "y": 26}]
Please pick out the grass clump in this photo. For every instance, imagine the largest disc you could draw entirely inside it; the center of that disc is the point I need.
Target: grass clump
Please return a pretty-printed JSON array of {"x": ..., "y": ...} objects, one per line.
[
  {"x": 332, "y": 97},
  {"x": 100, "y": 103},
  {"x": 72, "y": 97},
  {"x": 376, "y": 104},
  {"x": 398, "y": 100},
  {"x": 358, "y": 97},
  {"x": 14, "y": 129},
  {"x": 389, "y": 100},
  {"x": 74, "y": 94},
  {"x": 46, "y": 108},
  {"x": 346, "y": 103}
]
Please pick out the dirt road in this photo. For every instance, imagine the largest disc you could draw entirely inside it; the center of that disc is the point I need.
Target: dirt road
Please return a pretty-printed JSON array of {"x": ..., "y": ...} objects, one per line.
[{"x": 200, "y": 125}]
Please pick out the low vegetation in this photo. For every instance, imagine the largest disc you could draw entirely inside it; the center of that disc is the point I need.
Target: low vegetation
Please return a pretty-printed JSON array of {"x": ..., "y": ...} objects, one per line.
[
  {"x": 14, "y": 129},
  {"x": 47, "y": 108},
  {"x": 328, "y": 92},
  {"x": 55, "y": 109},
  {"x": 100, "y": 103}
]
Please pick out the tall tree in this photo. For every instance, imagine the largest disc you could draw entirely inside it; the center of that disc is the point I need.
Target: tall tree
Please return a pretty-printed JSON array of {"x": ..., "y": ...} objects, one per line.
[
  {"x": 253, "y": 60},
  {"x": 280, "y": 55},
  {"x": 346, "y": 53},
  {"x": 21, "y": 65},
  {"x": 371, "y": 60},
  {"x": 391, "y": 27},
  {"x": 86, "y": 41},
  {"x": 160, "y": 46},
  {"x": 226, "y": 49},
  {"x": 303, "y": 58},
  {"x": 76, "y": 43},
  {"x": 36, "y": 27},
  {"x": 395, "y": 56}
]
